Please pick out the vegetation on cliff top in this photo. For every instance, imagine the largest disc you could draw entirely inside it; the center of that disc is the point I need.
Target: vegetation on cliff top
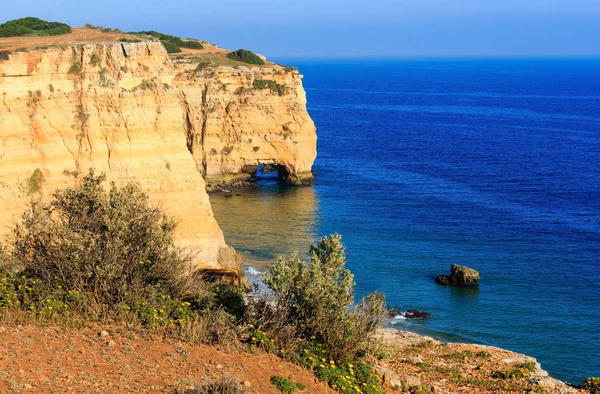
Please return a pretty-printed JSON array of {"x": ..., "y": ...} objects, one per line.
[
  {"x": 171, "y": 43},
  {"x": 31, "y": 26},
  {"x": 245, "y": 56}
]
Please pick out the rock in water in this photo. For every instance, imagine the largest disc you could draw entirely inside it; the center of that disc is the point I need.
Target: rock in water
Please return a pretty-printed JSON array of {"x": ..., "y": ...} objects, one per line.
[
  {"x": 414, "y": 314},
  {"x": 460, "y": 276}
]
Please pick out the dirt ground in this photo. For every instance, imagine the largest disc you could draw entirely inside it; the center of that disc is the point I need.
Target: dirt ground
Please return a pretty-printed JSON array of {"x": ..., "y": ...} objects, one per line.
[{"x": 48, "y": 360}]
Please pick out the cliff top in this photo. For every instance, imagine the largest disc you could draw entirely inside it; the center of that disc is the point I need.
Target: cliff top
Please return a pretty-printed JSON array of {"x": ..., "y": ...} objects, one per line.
[{"x": 209, "y": 53}]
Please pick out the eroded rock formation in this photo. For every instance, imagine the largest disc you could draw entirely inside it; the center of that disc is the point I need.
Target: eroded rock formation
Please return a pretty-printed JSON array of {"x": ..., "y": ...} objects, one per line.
[{"x": 127, "y": 110}]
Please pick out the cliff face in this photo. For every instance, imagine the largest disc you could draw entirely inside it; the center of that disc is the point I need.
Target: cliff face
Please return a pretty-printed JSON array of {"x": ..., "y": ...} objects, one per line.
[
  {"x": 241, "y": 118},
  {"x": 123, "y": 110}
]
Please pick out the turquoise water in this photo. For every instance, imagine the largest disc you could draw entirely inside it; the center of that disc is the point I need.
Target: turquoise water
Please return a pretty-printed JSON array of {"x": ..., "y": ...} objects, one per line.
[{"x": 422, "y": 164}]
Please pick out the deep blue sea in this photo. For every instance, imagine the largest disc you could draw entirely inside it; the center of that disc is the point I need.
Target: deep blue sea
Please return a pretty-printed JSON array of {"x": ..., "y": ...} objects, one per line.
[{"x": 493, "y": 164}]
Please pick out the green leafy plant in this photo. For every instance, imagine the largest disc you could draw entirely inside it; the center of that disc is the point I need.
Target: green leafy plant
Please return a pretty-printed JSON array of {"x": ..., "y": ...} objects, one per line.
[
  {"x": 283, "y": 384},
  {"x": 31, "y": 26},
  {"x": 245, "y": 56},
  {"x": 108, "y": 245},
  {"x": 170, "y": 46},
  {"x": 316, "y": 299}
]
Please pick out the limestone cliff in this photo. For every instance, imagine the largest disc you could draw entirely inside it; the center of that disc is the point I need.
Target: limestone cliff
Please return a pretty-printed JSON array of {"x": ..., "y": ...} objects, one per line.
[
  {"x": 243, "y": 117},
  {"x": 127, "y": 110}
]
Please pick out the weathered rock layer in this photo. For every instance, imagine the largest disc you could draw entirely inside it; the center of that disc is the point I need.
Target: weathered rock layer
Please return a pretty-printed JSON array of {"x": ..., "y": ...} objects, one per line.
[{"x": 127, "y": 110}]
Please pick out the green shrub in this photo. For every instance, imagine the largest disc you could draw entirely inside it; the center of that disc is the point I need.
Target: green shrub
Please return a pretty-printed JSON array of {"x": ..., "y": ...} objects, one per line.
[
  {"x": 75, "y": 68},
  {"x": 592, "y": 385},
  {"x": 315, "y": 298},
  {"x": 192, "y": 45},
  {"x": 34, "y": 183},
  {"x": 170, "y": 46},
  {"x": 283, "y": 384},
  {"x": 242, "y": 55},
  {"x": 291, "y": 69},
  {"x": 129, "y": 40},
  {"x": 31, "y": 26},
  {"x": 109, "y": 246},
  {"x": 260, "y": 84},
  {"x": 345, "y": 377}
]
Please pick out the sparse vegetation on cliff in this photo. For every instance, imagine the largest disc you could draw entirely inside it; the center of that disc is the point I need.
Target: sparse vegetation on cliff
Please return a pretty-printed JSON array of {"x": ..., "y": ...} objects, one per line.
[
  {"x": 31, "y": 26},
  {"x": 171, "y": 43},
  {"x": 245, "y": 56},
  {"x": 35, "y": 182},
  {"x": 75, "y": 68},
  {"x": 260, "y": 84}
]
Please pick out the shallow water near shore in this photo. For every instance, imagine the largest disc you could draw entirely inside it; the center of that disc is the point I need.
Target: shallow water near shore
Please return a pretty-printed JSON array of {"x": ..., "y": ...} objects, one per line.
[{"x": 422, "y": 164}]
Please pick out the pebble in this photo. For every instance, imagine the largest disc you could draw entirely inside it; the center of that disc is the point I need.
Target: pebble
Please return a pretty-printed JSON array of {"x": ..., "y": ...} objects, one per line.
[{"x": 104, "y": 333}]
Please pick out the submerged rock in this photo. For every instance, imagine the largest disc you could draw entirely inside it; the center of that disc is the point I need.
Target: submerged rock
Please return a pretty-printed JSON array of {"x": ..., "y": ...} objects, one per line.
[{"x": 460, "y": 276}]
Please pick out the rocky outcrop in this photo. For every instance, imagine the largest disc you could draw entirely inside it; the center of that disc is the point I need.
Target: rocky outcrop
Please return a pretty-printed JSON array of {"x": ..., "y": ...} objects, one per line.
[
  {"x": 424, "y": 364},
  {"x": 126, "y": 110},
  {"x": 460, "y": 276},
  {"x": 240, "y": 118}
]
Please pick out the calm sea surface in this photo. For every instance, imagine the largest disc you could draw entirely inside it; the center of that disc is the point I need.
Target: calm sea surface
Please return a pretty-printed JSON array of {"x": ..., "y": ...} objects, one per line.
[{"x": 422, "y": 164}]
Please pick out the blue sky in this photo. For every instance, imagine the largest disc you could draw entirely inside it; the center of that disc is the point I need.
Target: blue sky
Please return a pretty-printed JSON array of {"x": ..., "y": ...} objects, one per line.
[{"x": 319, "y": 28}]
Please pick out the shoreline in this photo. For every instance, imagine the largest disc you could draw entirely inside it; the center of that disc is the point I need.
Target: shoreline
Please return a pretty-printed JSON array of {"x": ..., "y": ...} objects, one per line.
[
  {"x": 434, "y": 356},
  {"x": 402, "y": 338}
]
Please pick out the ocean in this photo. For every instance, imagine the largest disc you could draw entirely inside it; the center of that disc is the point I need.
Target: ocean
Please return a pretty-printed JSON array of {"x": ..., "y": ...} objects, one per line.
[{"x": 493, "y": 164}]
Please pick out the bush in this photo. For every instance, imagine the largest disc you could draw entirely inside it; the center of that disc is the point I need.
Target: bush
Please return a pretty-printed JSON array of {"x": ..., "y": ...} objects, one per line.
[
  {"x": 108, "y": 246},
  {"x": 192, "y": 45},
  {"x": 592, "y": 385},
  {"x": 283, "y": 384},
  {"x": 242, "y": 55},
  {"x": 260, "y": 84},
  {"x": 129, "y": 40},
  {"x": 31, "y": 26},
  {"x": 170, "y": 46},
  {"x": 35, "y": 181},
  {"x": 315, "y": 298}
]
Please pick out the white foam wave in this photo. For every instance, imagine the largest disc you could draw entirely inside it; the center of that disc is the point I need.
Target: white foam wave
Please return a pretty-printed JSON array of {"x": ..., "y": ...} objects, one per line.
[{"x": 252, "y": 271}]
